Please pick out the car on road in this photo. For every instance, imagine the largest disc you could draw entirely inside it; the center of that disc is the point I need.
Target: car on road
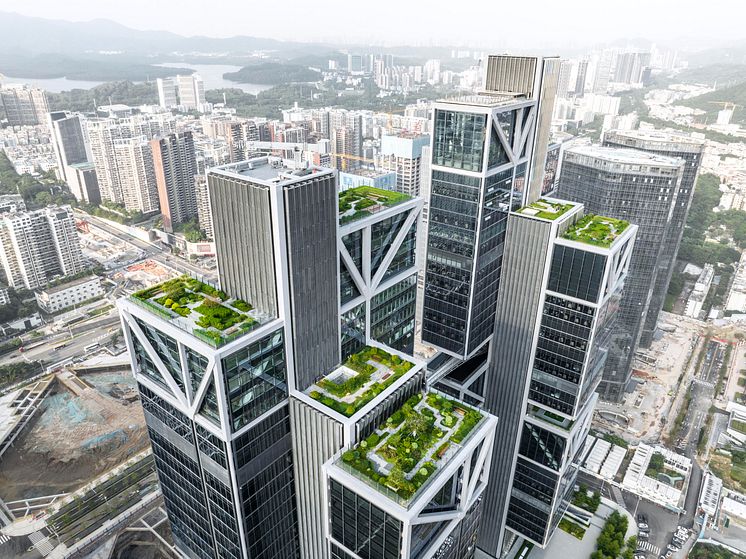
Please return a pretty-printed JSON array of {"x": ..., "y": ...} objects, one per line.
[{"x": 643, "y": 526}]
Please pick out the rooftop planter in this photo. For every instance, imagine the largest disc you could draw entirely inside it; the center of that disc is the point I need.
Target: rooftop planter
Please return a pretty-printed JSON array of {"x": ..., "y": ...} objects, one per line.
[
  {"x": 413, "y": 443},
  {"x": 546, "y": 209},
  {"x": 360, "y": 379},
  {"x": 361, "y": 201},
  {"x": 596, "y": 230},
  {"x": 209, "y": 313}
]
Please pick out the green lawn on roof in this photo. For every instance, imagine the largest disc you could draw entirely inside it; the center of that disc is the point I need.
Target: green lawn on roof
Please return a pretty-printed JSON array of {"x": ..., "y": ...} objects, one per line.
[
  {"x": 413, "y": 441},
  {"x": 359, "y": 363},
  {"x": 596, "y": 230},
  {"x": 546, "y": 209},
  {"x": 362, "y": 200}
]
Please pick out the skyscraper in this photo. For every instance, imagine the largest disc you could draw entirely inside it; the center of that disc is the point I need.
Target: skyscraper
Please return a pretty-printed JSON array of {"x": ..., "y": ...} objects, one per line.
[
  {"x": 74, "y": 157},
  {"x": 175, "y": 164},
  {"x": 258, "y": 411},
  {"x": 39, "y": 245},
  {"x": 484, "y": 153},
  {"x": 24, "y": 105},
  {"x": 135, "y": 174},
  {"x": 636, "y": 186},
  {"x": 669, "y": 144},
  {"x": 561, "y": 285}
]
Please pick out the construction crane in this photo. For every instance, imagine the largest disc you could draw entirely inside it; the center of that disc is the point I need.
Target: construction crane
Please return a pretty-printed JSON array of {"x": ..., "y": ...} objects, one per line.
[{"x": 727, "y": 105}]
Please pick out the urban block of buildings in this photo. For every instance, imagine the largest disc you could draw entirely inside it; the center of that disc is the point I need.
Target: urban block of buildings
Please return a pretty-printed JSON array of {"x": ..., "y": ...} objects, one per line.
[{"x": 69, "y": 294}]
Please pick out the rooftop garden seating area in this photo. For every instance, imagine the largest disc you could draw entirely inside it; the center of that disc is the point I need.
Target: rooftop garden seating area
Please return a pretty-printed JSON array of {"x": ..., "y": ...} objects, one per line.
[
  {"x": 362, "y": 201},
  {"x": 546, "y": 209},
  {"x": 596, "y": 230},
  {"x": 412, "y": 444},
  {"x": 361, "y": 378},
  {"x": 201, "y": 309}
]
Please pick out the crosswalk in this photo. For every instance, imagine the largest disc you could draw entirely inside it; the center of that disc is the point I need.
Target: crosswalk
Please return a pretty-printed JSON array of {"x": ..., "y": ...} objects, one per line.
[
  {"x": 4, "y": 539},
  {"x": 649, "y": 547},
  {"x": 41, "y": 543}
]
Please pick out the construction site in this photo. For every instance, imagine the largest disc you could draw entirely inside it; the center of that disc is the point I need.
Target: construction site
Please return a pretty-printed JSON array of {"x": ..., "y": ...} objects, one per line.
[{"x": 85, "y": 424}]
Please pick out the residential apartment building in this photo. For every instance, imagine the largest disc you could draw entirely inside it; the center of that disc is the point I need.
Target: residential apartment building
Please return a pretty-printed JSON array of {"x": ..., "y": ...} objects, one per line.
[
  {"x": 185, "y": 93},
  {"x": 38, "y": 246},
  {"x": 175, "y": 164},
  {"x": 402, "y": 153},
  {"x": 636, "y": 186},
  {"x": 74, "y": 158},
  {"x": 24, "y": 105}
]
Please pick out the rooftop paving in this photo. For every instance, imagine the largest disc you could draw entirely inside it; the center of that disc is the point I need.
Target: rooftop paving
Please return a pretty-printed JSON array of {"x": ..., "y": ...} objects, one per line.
[
  {"x": 411, "y": 445},
  {"x": 363, "y": 201},
  {"x": 596, "y": 230},
  {"x": 361, "y": 378},
  {"x": 546, "y": 209},
  {"x": 201, "y": 309}
]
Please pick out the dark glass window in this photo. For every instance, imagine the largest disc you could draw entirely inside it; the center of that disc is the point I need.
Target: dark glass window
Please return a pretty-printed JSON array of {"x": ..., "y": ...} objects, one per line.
[
  {"x": 542, "y": 446},
  {"x": 166, "y": 413},
  {"x": 352, "y": 328},
  {"x": 268, "y": 432},
  {"x": 459, "y": 140},
  {"x": 393, "y": 312},
  {"x": 166, "y": 348},
  {"x": 196, "y": 363},
  {"x": 577, "y": 273},
  {"x": 255, "y": 379}
]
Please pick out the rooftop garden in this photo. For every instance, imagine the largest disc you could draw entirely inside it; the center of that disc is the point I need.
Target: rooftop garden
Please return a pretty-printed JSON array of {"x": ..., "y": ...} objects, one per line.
[
  {"x": 546, "y": 209},
  {"x": 211, "y": 315},
  {"x": 413, "y": 443},
  {"x": 596, "y": 230},
  {"x": 361, "y": 201},
  {"x": 361, "y": 378}
]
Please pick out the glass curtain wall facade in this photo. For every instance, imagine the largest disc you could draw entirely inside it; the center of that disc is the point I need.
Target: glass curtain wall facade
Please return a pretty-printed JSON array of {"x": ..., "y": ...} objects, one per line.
[
  {"x": 378, "y": 278},
  {"x": 480, "y": 155},
  {"x": 220, "y": 434},
  {"x": 640, "y": 187},
  {"x": 676, "y": 146}
]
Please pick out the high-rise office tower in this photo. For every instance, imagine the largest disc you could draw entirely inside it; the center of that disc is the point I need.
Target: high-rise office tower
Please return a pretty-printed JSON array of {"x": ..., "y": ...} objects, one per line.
[
  {"x": 182, "y": 92},
  {"x": 485, "y": 151},
  {"x": 74, "y": 157},
  {"x": 378, "y": 269},
  {"x": 175, "y": 165},
  {"x": 669, "y": 144},
  {"x": 639, "y": 187},
  {"x": 268, "y": 436},
  {"x": 38, "y": 246},
  {"x": 402, "y": 152},
  {"x": 24, "y": 105},
  {"x": 581, "y": 77},
  {"x": 561, "y": 285}
]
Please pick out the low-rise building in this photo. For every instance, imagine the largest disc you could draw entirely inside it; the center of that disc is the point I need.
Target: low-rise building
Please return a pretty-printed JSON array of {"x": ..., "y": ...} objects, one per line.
[
  {"x": 662, "y": 481},
  {"x": 4, "y": 296},
  {"x": 700, "y": 291},
  {"x": 68, "y": 294}
]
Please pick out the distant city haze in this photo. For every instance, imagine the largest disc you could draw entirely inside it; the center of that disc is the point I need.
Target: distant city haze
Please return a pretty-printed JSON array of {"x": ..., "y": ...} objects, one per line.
[{"x": 478, "y": 23}]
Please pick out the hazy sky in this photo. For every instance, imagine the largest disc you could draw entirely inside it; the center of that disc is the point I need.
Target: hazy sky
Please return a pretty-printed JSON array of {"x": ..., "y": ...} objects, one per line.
[{"x": 493, "y": 23}]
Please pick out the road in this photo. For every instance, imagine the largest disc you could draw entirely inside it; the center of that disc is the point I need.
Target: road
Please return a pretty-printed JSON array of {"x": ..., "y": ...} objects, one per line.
[{"x": 151, "y": 250}]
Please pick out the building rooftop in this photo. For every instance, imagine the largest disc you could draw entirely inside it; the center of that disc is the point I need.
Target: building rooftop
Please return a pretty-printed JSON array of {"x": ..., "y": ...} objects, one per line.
[
  {"x": 625, "y": 156},
  {"x": 367, "y": 373},
  {"x": 596, "y": 230},
  {"x": 57, "y": 287},
  {"x": 659, "y": 139},
  {"x": 419, "y": 438},
  {"x": 484, "y": 99},
  {"x": 270, "y": 170},
  {"x": 369, "y": 173},
  {"x": 200, "y": 309},
  {"x": 547, "y": 209},
  {"x": 362, "y": 201}
]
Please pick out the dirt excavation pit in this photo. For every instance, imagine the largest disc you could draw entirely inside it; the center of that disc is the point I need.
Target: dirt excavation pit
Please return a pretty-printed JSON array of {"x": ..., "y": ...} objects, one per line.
[{"x": 75, "y": 437}]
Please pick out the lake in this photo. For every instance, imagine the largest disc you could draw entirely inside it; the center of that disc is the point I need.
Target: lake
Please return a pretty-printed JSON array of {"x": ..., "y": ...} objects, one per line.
[{"x": 211, "y": 74}]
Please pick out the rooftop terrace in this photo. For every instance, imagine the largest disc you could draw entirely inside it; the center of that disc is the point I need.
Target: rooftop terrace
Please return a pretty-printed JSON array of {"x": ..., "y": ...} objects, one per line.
[
  {"x": 361, "y": 378},
  {"x": 363, "y": 201},
  {"x": 412, "y": 445},
  {"x": 269, "y": 170},
  {"x": 596, "y": 230},
  {"x": 546, "y": 209},
  {"x": 200, "y": 309}
]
